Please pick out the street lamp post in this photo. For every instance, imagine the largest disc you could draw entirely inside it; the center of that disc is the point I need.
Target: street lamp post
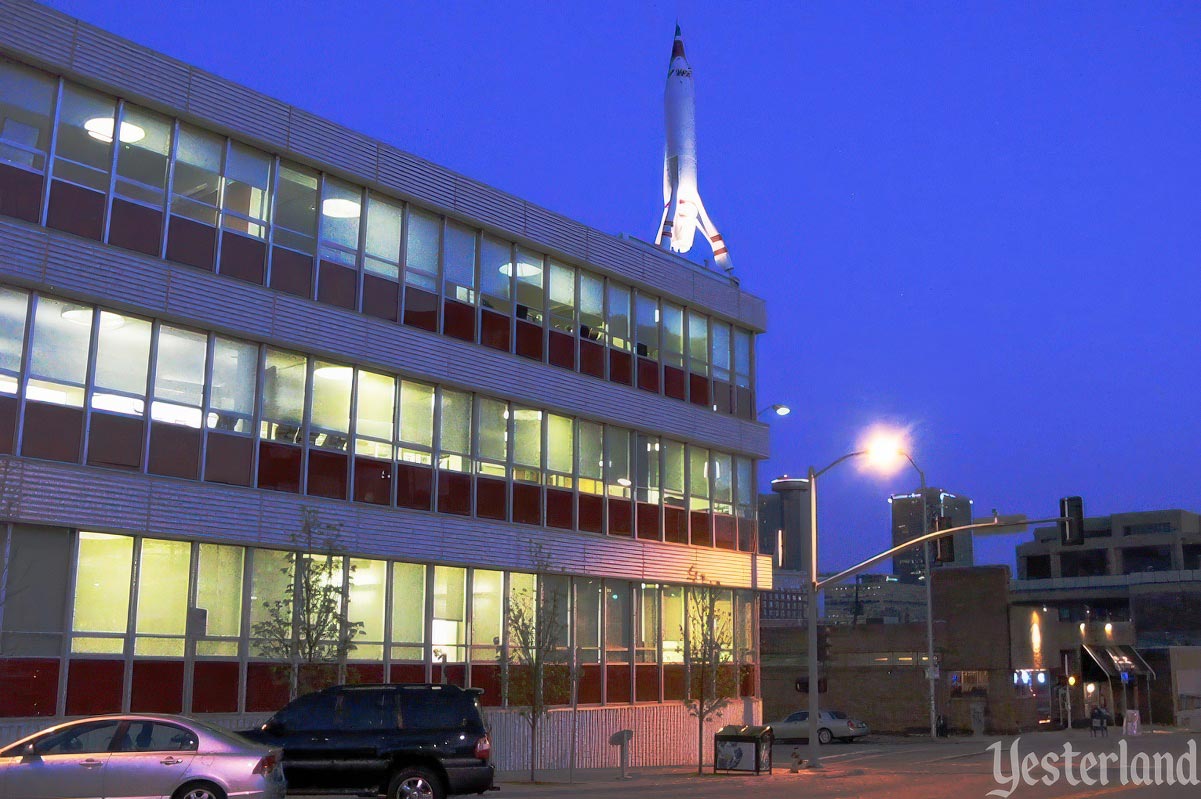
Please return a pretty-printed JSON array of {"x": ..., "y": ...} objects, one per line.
[{"x": 930, "y": 675}]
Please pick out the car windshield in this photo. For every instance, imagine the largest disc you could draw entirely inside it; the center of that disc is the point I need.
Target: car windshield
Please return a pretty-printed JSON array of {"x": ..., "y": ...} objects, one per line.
[{"x": 837, "y": 714}]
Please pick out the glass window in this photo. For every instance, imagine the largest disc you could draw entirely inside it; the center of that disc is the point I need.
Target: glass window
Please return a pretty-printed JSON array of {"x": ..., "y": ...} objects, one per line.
[
  {"x": 592, "y": 307},
  {"x": 647, "y": 625},
  {"x": 341, "y": 205},
  {"x": 648, "y": 326},
  {"x": 13, "y": 307},
  {"x": 530, "y": 299},
  {"x": 592, "y": 457},
  {"x": 104, "y": 564},
  {"x": 142, "y": 162},
  {"x": 163, "y": 569},
  {"x": 527, "y": 441},
  {"x": 496, "y": 274},
  {"x": 38, "y": 568},
  {"x": 235, "y": 375},
  {"x": 367, "y": 597},
  {"x": 560, "y": 443},
  {"x": 58, "y": 358},
  {"x": 284, "y": 381},
  {"x": 618, "y": 621},
  {"x": 219, "y": 599},
  {"x": 245, "y": 199},
  {"x": 375, "y": 405},
  {"x": 197, "y": 178},
  {"x": 179, "y": 376},
  {"x": 417, "y": 413},
  {"x": 673, "y": 335},
  {"x": 83, "y": 738},
  {"x": 723, "y": 482},
  {"x": 25, "y": 115},
  {"x": 742, "y": 357},
  {"x": 617, "y": 475},
  {"x": 408, "y": 611},
  {"x": 673, "y": 623},
  {"x": 385, "y": 222},
  {"x": 562, "y": 297},
  {"x": 450, "y": 616},
  {"x": 673, "y": 473},
  {"x": 329, "y": 424},
  {"x": 494, "y": 434},
  {"x": 647, "y": 466},
  {"x": 421, "y": 249},
  {"x": 83, "y": 149},
  {"x": 698, "y": 343},
  {"x": 487, "y": 614},
  {"x": 588, "y": 592},
  {"x": 455, "y": 438},
  {"x": 122, "y": 363},
  {"x": 271, "y": 575},
  {"x": 721, "y": 350},
  {"x": 296, "y": 207},
  {"x": 522, "y": 592},
  {"x": 619, "y": 317},
  {"x": 698, "y": 477},
  {"x": 459, "y": 265}
]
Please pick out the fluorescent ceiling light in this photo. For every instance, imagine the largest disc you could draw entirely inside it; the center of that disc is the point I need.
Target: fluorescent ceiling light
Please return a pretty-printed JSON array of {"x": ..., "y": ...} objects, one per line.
[
  {"x": 101, "y": 129},
  {"x": 83, "y": 316},
  {"x": 340, "y": 208},
  {"x": 523, "y": 270}
]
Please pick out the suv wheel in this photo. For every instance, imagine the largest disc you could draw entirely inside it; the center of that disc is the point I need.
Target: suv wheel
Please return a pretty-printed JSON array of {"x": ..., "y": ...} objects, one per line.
[{"x": 415, "y": 783}]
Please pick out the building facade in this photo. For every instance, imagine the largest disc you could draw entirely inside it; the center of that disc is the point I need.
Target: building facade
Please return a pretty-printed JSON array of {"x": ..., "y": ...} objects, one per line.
[
  {"x": 916, "y": 513},
  {"x": 234, "y": 335},
  {"x": 875, "y": 599}
]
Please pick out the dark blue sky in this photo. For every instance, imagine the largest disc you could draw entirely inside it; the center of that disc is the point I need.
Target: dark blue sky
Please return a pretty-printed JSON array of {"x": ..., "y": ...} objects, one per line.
[{"x": 977, "y": 220}]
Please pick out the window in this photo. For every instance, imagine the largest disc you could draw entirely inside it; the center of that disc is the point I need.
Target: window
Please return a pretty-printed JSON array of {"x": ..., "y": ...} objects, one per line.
[
  {"x": 296, "y": 208},
  {"x": 492, "y": 447},
  {"x": 329, "y": 424},
  {"x": 647, "y": 468},
  {"x": 417, "y": 421},
  {"x": 197, "y": 179},
  {"x": 618, "y": 621},
  {"x": 39, "y": 564},
  {"x": 527, "y": 444},
  {"x": 408, "y": 611},
  {"x": 592, "y": 307},
  {"x": 25, "y": 118},
  {"x": 341, "y": 205},
  {"x": 367, "y": 597},
  {"x": 283, "y": 395},
  {"x": 315, "y": 712},
  {"x": 562, "y": 297},
  {"x": 218, "y": 611},
  {"x": 744, "y": 500},
  {"x": 421, "y": 249},
  {"x": 142, "y": 164},
  {"x": 560, "y": 448},
  {"x": 592, "y": 457},
  {"x": 588, "y": 593},
  {"x": 673, "y": 624},
  {"x": 13, "y": 307},
  {"x": 496, "y": 275},
  {"x": 673, "y": 335},
  {"x": 58, "y": 360},
  {"x": 385, "y": 221},
  {"x": 235, "y": 375},
  {"x": 619, "y": 317},
  {"x": 648, "y": 326},
  {"x": 455, "y": 439},
  {"x": 459, "y": 270},
  {"x": 104, "y": 564},
  {"x": 530, "y": 299},
  {"x": 162, "y": 612},
  {"x": 647, "y": 629},
  {"x": 245, "y": 198},
  {"x": 487, "y": 615},
  {"x": 156, "y": 736},
  {"x": 450, "y": 618},
  {"x": 86, "y": 737},
  {"x": 698, "y": 343},
  {"x": 83, "y": 149},
  {"x": 617, "y": 473},
  {"x": 179, "y": 377},
  {"x": 122, "y": 361},
  {"x": 272, "y": 573},
  {"x": 375, "y": 400}
]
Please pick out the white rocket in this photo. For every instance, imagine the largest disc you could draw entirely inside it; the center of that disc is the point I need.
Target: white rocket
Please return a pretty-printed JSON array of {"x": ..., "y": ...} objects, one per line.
[{"x": 683, "y": 211}]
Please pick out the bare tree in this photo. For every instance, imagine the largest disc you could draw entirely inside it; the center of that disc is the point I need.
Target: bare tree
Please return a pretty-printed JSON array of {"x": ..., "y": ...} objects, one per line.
[
  {"x": 309, "y": 624},
  {"x": 535, "y": 672},
  {"x": 712, "y": 675}
]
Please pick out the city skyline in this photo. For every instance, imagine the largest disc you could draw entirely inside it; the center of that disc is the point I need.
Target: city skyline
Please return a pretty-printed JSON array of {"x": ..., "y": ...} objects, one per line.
[{"x": 972, "y": 223}]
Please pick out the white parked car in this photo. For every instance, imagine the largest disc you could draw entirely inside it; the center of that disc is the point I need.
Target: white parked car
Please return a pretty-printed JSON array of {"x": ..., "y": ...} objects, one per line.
[
  {"x": 139, "y": 756},
  {"x": 831, "y": 724}
]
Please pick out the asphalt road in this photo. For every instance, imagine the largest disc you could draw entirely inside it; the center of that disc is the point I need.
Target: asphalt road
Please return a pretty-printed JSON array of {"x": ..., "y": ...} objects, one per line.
[{"x": 956, "y": 769}]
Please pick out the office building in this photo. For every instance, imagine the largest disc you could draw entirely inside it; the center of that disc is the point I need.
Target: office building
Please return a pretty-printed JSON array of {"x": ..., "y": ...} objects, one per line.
[
  {"x": 235, "y": 337},
  {"x": 908, "y": 523}
]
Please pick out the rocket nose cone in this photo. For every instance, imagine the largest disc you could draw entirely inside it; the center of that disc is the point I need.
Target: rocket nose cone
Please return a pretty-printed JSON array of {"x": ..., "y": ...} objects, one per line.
[{"x": 677, "y": 46}]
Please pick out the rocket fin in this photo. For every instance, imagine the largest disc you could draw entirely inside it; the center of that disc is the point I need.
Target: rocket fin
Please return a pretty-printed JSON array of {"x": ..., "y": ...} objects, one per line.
[
  {"x": 662, "y": 222},
  {"x": 666, "y": 229},
  {"x": 721, "y": 253}
]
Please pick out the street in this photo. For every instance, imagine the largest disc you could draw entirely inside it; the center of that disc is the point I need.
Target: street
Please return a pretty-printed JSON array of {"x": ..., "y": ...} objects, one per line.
[{"x": 960, "y": 768}]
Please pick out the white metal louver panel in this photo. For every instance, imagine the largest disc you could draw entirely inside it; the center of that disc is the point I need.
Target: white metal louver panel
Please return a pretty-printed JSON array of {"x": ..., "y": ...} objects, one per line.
[
  {"x": 560, "y": 232},
  {"x": 131, "y": 70},
  {"x": 24, "y": 251},
  {"x": 328, "y": 143},
  {"x": 80, "y": 266},
  {"x": 415, "y": 177},
  {"x": 489, "y": 206},
  {"x": 235, "y": 108},
  {"x": 37, "y": 30},
  {"x": 191, "y": 298}
]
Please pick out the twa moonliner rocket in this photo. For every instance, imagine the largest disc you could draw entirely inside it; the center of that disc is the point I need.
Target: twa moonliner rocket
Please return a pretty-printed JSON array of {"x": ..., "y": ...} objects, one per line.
[{"x": 683, "y": 211}]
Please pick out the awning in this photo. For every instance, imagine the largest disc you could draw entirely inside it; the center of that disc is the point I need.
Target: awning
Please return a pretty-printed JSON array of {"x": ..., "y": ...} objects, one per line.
[{"x": 1114, "y": 660}]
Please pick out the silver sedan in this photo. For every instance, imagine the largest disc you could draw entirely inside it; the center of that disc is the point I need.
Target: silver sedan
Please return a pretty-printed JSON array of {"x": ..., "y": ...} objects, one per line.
[
  {"x": 831, "y": 724},
  {"x": 135, "y": 756}
]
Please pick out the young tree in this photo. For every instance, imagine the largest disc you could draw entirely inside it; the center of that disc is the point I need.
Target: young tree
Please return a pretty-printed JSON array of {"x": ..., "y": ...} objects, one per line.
[
  {"x": 535, "y": 673},
  {"x": 712, "y": 675},
  {"x": 309, "y": 624}
]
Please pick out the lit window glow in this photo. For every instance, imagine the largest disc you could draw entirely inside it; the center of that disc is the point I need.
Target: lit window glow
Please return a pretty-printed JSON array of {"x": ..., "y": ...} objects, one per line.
[{"x": 101, "y": 129}]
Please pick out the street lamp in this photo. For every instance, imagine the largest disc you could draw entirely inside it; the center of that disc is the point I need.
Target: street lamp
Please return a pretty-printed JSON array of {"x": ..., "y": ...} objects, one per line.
[
  {"x": 779, "y": 409},
  {"x": 882, "y": 451}
]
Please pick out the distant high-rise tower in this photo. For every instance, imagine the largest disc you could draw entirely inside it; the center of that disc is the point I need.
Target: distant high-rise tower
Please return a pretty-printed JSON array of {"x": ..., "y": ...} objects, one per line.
[{"x": 907, "y": 524}]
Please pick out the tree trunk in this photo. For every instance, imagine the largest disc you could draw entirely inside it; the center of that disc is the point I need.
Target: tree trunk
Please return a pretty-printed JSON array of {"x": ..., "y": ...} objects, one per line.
[{"x": 533, "y": 748}]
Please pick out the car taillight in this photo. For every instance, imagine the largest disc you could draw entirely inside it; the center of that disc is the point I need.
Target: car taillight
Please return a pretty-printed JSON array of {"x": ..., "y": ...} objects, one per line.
[
  {"x": 483, "y": 748},
  {"x": 266, "y": 765},
  {"x": 850, "y": 725}
]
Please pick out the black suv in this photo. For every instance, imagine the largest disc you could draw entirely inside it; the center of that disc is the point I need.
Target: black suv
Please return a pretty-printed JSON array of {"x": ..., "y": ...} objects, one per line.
[{"x": 403, "y": 741}]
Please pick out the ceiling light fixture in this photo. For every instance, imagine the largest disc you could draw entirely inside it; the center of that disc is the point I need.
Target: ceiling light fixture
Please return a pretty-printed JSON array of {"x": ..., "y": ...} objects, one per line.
[
  {"x": 340, "y": 208},
  {"x": 101, "y": 129}
]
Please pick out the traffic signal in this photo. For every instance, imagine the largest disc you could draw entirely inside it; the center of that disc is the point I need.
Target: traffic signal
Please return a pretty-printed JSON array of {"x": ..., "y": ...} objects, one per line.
[
  {"x": 944, "y": 548},
  {"x": 823, "y": 643},
  {"x": 1071, "y": 524}
]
